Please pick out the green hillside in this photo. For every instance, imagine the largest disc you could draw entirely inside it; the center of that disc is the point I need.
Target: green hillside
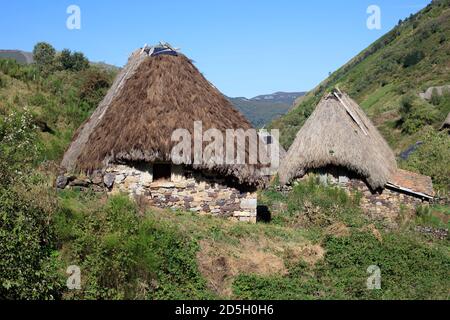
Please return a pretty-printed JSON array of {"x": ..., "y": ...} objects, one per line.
[{"x": 386, "y": 80}]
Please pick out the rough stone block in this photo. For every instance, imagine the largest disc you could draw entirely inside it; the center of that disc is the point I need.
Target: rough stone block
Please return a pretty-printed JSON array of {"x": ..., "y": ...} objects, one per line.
[{"x": 249, "y": 204}]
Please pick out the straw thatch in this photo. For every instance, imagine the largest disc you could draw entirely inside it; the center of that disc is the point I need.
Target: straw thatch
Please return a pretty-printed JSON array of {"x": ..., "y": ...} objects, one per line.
[
  {"x": 339, "y": 134},
  {"x": 446, "y": 123},
  {"x": 152, "y": 97}
]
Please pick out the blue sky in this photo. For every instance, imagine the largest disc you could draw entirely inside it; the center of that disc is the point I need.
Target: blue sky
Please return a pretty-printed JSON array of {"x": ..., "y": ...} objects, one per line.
[{"x": 244, "y": 47}]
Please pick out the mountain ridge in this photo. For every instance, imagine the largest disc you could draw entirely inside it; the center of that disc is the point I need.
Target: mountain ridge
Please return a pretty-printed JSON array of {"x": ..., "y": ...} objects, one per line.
[{"x": 263, "y": 109}]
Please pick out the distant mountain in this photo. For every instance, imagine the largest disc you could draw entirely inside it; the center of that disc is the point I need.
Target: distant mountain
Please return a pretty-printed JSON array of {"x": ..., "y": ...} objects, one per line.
[
  {"x": 22, "y": 57},
  {"x": 106, "y": 66},
  {"x": 262, "y": 109}
]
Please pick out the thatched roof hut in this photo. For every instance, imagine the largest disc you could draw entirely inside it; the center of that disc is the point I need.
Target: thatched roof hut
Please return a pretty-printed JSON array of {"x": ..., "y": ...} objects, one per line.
[
  {"x": 339, "y": 134},
  {"x": 446, "y": 124},
  {"x": 157, "y": 92}
]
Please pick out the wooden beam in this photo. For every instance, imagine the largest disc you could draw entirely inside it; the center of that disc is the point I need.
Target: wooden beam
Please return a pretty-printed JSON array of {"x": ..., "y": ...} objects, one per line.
[{"x": 354, "y": 117}]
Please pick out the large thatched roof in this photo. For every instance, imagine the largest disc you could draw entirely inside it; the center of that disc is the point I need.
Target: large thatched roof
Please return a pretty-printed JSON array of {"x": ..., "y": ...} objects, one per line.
[
  {"x": 151, "y": 97},
  {"x": 446, "y": 123},
  {"x": 338, "y": 133}
]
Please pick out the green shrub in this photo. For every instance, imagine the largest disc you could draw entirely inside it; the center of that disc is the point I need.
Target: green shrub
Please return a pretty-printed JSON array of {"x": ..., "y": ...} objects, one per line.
[
  {"x": 431, "y": 158},
  {"x": 312, "y": 204},
  {"x": 409, "y": 270},
  {"x": 28, "y": 265},
  {"x": 124, "y": 256},
  {"x": 333, "y": 203},
  {"x": 44, "y": 57},
  {"x": 17, "y": 147},
  {"x": 415, "y": 114},
  {"x": 253, "y": 287},
  {"x": 73, "y": 61},
  {"x": 413, "y": 58},
  {"x": 95, "y": 84}
]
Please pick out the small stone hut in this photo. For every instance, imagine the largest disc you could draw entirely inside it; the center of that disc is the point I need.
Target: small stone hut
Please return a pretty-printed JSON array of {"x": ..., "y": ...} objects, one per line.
[
  {"x": 127, "y": 143},
  {"x": 341, "y": 146}
]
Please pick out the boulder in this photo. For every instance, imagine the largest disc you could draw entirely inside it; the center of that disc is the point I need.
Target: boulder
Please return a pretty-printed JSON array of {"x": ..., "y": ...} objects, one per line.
[
  {"x": 108, "y": 180},
  {"x": 61, "y": 182}
]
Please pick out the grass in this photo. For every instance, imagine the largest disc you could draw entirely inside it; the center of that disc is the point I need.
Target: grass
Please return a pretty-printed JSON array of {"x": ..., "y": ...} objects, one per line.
[{"x": 130, "y": 252}]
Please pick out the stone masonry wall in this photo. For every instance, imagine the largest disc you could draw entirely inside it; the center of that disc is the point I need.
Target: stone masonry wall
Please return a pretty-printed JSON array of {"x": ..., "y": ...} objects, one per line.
[
  {"x": 384, "y": 206},
  {"x": 186, "y": 190}
]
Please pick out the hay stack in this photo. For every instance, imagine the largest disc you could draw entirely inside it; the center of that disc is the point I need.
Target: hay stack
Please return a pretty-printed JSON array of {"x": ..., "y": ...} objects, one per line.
[
  {"x": 152, "y": 97},
  {"x": 338, "y": 133}
]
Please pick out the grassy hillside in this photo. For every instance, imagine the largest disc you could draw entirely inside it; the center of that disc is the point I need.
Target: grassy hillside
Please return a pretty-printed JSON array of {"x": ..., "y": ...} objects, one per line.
[
  {"x": 387, "y": 78},
  {"x": 58, "y": 102}
]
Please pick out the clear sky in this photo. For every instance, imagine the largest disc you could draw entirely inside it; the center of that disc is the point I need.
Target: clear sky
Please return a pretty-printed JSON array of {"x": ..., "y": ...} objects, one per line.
[{"x": 244, "y": 47}]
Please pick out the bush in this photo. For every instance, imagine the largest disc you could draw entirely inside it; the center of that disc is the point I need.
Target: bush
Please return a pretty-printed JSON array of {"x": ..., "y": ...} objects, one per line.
[
  {"x": 95, "y": 84},
  {"x": 17, "y": 147},
  {"x": 312, "y": 204},
  {"x": 409, "y": 270},
  {"x": 28, "y": 265},
  {"x": 413, "y": 58},
  {"x": 73, "y": 61},
  {"x": 44, "y": 56},
  {"x": 17, "y": 71},
  {"x": 415, "y": 114},
  {"x": 431, "y": 158},
  {"x": 124, "y": 256}
]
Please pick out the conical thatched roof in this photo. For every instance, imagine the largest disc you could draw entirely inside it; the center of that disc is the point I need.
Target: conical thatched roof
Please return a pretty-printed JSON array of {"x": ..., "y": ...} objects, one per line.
[
  {"x": 446, "y": 123},
  {"x": 151, "y": 97},
  {"x": 338, "y": 133}
]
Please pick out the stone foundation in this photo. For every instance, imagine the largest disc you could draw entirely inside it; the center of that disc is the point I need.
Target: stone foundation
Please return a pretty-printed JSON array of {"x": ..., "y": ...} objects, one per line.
[
  {"x": 189, "y": 190},
  {"x": 384, "y": 205}
]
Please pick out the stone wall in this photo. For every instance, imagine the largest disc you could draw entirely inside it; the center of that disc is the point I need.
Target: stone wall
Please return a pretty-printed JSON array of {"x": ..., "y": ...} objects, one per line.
[
  {"x": 384, "y": 205},
  {"x": 189, "y": 190}
]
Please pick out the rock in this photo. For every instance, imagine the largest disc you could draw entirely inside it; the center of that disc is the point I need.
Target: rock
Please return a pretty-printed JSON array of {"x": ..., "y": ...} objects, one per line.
[
  {"x": 220, "y": 203},
  {"x": 162, "y": 185},
  {"x": 249, "y": 204},
  {"x": 79, "y": 183},
  {"x": 173, "y": 199},
  {"x": 146, "y": 179},
  {"x": 119, "y": 178},
  {"x": 109, "y": 180},
  {"x": 61, "y": 182},
  {"x": 97, "y": 179}
]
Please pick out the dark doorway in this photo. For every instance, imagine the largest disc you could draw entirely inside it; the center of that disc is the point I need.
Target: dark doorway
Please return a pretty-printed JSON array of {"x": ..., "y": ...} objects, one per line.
[
  {"x": 263, "y": 214},
  {"x": 162, "y": 171}
]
